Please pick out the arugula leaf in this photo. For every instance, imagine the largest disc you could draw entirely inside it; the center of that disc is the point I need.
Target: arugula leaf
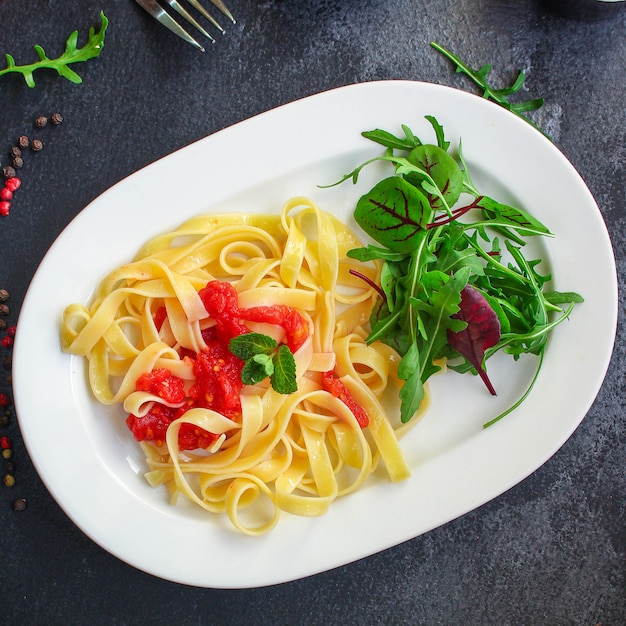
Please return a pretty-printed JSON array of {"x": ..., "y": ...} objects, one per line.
[
  {"x": 72, "y": 54},
  {"x": 265, "y": 358},
  {"x": 388, "y": 140},
  {"x": 499, "y": 96}
]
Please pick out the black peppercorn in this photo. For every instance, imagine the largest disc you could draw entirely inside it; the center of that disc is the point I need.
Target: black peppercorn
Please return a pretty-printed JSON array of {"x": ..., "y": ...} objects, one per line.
[
  {"x": 8, "y": 171},
  {"x": 56, "y": 118},
  {"x": 36, "y": 145},
  {"x": 41, "y": 121},
  {"x": 9, "y": 467},
  {"x": 4, "y": 295},
  {"x": 4, "y": 309},
  {"x": 19, "y": 504},
  {"x": 23, "y": 142},
  {"x": 18, "y": 163},
  {"x": 4, "y": 420},
  {"x": 15, "y": 152}
]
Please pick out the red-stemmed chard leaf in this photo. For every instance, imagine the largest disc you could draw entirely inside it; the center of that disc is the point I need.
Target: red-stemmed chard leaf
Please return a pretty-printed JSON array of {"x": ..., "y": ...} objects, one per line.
[{"x": 482, "y": 331}]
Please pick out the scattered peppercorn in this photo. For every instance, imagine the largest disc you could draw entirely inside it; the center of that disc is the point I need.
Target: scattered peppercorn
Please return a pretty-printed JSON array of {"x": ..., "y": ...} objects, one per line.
[
  {"x": 4, "y": 400},
  {"x": 5, "y": 443},
  {"x": 4, "y": 309},
  {"x": 15, "y": 152},
  {"x": 6, "y": 194},
  {"x": 5, "y": 418},
  {"x": 7, "y": 454},
  {"x": 41, "y": 121},
  {"x": 36, "y": 145},
  {"x": 9, "y": 480},
  {"x": 23, "y": 142},
  {"x": 18, "y": 163},
  {"x": 9, "y": 467},
  {"x": 5, "y": 207},
  {"x": 19, "y": 504},
  {"x": 4, "y": 295},
  {"x": 8, "y": 171},
  {"x": 6, "y": 341}
]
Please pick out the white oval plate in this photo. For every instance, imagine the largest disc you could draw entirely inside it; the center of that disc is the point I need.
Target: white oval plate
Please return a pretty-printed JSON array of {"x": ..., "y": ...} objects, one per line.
[{"x": 91, "y": 464}]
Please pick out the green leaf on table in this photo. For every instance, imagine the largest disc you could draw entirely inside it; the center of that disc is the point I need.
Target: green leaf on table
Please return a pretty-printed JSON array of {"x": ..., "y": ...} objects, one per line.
[{"x": 72, "y": 54}]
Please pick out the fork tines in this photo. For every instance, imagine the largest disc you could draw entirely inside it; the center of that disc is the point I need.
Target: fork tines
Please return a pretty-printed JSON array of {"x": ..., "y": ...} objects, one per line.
[{"x": 159, "y": 13}]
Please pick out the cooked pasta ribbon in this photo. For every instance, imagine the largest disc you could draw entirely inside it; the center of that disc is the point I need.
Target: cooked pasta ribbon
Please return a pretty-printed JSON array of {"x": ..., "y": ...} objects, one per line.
[{"x": 294, "y": 452}]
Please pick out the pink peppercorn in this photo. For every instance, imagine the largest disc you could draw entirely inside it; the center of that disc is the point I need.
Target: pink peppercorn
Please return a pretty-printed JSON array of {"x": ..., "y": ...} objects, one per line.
[
  {"x": 4, "y": 400},
  {"x": 5, "y": 207},
  {"x": 6, "y": 194},
  {"x": 13, "y": 183},
  {"x": 5, "y": 443}
]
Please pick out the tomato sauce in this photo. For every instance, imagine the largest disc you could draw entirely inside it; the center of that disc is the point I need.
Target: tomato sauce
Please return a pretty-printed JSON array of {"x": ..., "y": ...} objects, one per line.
[{"x": 217, "y": 370}]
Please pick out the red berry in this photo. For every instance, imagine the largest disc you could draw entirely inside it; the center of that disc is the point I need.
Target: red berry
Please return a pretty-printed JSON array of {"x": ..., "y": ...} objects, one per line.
[
  {"x": 5, "y": 443},
  {"x": 5, "y": 207},
  {"x": 6, "y": 341},
  {"x": 6, "y": 194},
  {"x": 11, "y": 331},
  {"x": 13, "y": 183},
  {"x": 4, "y": 399}
]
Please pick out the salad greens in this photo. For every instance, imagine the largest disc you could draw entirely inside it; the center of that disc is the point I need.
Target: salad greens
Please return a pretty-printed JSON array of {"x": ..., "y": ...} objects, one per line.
[
  {"x": 499, "y": 96},
  {"x": 72, "y": 54},
  {"x": 452, "y": 289}
]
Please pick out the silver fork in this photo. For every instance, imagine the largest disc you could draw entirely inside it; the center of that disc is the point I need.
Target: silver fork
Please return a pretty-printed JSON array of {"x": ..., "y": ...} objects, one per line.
[{"x": 161, "y": 15}]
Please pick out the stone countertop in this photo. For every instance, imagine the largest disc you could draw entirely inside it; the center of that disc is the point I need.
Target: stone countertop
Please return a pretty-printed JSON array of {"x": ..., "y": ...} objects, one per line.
[{"x": 551, "y": 550}]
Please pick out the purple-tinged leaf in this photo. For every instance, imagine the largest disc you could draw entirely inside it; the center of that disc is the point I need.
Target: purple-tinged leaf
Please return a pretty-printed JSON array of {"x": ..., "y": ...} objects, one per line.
[{"x": 482, "y": 331}]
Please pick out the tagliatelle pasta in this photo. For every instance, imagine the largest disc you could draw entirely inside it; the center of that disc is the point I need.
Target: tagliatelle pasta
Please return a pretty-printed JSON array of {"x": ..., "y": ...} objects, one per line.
[{"x": 295, "y": 452}]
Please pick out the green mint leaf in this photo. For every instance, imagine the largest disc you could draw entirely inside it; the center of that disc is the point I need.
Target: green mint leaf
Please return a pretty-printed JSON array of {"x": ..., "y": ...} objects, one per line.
[
  {"x": 72, "y": 54},
  {"x": 284, "y": 376},
  {"x": 256, "y": 369},
  {"x": 248, "y": 345}
]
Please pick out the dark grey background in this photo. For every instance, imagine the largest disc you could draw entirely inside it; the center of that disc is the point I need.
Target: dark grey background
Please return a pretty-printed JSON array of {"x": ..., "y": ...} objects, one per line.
[{"x": 549, "y": 551}]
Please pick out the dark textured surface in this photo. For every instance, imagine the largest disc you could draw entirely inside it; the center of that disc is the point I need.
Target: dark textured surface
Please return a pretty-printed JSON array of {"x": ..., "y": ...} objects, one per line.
[{"x": 549, "y": 551}]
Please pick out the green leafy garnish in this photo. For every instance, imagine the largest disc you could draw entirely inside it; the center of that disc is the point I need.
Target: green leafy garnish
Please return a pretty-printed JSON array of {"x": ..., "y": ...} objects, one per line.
[
  {"x": 72, "y": 54},
  {"x": 450, "y": 288},
  {"x": 265, "y": 358},
  {"x": 499, "y": 96}
]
